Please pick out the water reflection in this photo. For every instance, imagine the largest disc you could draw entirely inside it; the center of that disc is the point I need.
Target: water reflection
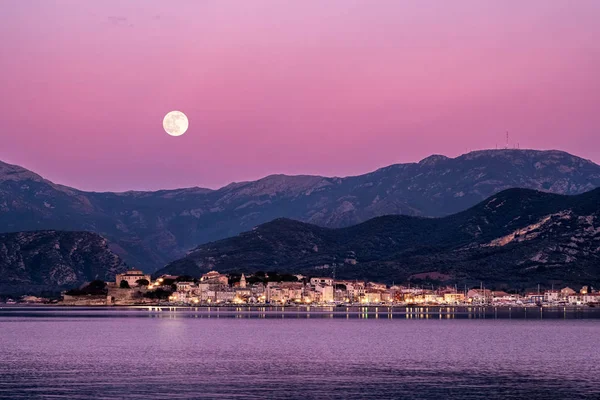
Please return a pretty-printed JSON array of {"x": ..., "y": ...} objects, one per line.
[
  {"x": 295, "y": 312},
  {"x": 340, "y": 352}
]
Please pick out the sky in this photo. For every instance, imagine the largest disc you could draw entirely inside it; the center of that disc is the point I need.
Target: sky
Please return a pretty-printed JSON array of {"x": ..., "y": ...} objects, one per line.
[{"x": 332, "y": 87}]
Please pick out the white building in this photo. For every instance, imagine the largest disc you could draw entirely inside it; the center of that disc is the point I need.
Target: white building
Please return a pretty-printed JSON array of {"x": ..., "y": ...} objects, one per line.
[
  {"x": 372, "y": 297},
  {"x": 324, "y": 293},
  {"x": 551, "y": 296}
]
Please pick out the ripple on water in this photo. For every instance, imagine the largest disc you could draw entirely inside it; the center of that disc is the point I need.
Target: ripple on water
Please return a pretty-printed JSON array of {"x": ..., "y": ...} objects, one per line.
[{"x": 180, "y": 358}]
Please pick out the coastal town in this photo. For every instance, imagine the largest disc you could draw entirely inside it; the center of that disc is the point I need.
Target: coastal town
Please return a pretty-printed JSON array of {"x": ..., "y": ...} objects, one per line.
[{"x": 134, "y": 287}]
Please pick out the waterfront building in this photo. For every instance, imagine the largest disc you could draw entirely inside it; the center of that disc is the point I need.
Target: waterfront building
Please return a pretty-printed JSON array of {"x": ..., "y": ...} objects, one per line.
[
  {"x": 534, "y": 297},
  {"x": 225, "y": 296},
  {"x": 243, "y": 293},
  {"x": 386, "y": 297},
  {"x": 479, "y": 295},
  {"x": 372, "y": 297},
  {"x": 131, "y": 277},
  {"x": 566, "y": 292},
  {"x": 208, "y": 296},
  {"x": 284, "y": 292},
  {"x": 501, "y": 297},
  {"x": 432, "y": 298},
  {"x": 454, "y": 298},
  {"x": 180, "y": 297},
  {"x": 323, "y": 293},
  {"x": 212, "y": 289},
  {"x": 355, "y": 290},
  {"x": 275, "y": 294},
  {"x": 551, "y": 296},
  {"x": 258, "y": 290},
  {"x": 593, "y": 298},
  {"x": 340, "y": 294}
]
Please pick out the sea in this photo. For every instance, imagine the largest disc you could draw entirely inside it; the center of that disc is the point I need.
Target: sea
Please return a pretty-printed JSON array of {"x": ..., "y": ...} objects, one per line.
[{"x": 299, "y": 353}]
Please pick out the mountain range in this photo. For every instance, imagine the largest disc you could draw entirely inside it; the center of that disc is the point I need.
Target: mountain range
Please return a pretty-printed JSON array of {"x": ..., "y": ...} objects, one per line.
[
  {"x": 517, "y": 238},
  {"x": 150, "y": 229},
  {"x": 48, "y": 261}
]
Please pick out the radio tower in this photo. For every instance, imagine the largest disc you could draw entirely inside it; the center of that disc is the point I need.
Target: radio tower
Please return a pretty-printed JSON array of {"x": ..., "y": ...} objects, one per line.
[{"x": 506, "y": 140}]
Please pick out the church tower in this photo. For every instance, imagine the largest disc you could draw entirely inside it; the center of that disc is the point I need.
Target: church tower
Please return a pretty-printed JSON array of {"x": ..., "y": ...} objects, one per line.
[{"x": 243, "y": 282}]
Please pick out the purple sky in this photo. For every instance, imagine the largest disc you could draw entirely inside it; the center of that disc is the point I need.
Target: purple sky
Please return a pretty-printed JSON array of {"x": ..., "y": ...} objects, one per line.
[{"x": 334, "y": 87}]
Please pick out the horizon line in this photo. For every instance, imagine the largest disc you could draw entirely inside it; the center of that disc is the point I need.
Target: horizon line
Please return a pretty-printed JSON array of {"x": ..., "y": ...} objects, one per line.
[{"x": 293, "y": 175}]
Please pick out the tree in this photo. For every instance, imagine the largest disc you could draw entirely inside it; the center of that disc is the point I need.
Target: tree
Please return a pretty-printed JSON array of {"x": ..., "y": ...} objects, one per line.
[
  {"x": 168, "y": 282},
  {"x": 234, "y": 277},
  {"x": 159, "y": 294},
  {"x": 142, "y": 282},
  {"x": 97, "y": 285},
  {"x": 124, "y": 284},
  {"x": 288, "y": 278}
]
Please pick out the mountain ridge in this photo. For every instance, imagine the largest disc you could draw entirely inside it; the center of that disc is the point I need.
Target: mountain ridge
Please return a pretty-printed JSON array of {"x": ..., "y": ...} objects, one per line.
[
  {"x": 151, "y": 229},
  {"x": 518, "y": 237},
  {"x": 431, "y": 159},
  {"x": 50, "y": 261}
]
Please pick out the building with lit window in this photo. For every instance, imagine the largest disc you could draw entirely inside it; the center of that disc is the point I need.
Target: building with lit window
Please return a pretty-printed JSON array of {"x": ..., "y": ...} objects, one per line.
[{"x": 132, "y": 277}]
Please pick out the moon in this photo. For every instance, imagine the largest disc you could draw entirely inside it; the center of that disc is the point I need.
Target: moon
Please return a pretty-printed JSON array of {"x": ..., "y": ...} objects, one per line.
[{"x": 175, "y": 123}]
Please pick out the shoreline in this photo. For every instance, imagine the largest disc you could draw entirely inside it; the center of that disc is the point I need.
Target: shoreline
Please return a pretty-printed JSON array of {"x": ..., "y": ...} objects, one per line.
[
  {"x": 304, "y": 308},
  {"x": 303, "y": 312},
  {"x": 292, "y": 306}
]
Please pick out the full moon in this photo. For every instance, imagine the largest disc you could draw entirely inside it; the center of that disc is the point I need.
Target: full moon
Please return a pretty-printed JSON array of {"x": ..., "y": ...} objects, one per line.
[{"x": 175, "y": 123}]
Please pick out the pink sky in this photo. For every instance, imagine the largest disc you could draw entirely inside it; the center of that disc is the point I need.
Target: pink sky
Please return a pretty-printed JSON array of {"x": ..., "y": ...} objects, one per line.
[{"x": 334, "y": 87}]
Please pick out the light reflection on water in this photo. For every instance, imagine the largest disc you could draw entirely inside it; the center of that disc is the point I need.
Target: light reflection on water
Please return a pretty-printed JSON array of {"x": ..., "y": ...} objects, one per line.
[
  {"x": 290, "y": 353},
  {"x": 361, "y": 312}
]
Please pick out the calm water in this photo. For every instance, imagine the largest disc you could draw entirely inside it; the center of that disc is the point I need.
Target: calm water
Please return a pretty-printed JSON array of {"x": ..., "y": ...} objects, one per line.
[{"x": 137, "y": 353}]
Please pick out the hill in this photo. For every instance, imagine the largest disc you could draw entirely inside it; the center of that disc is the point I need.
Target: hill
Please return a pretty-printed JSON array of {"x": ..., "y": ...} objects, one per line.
[
  {"x": 49, "y": 261},
  {"x": 149, "y": 229},
  {"x": 516, "y": 238}
]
